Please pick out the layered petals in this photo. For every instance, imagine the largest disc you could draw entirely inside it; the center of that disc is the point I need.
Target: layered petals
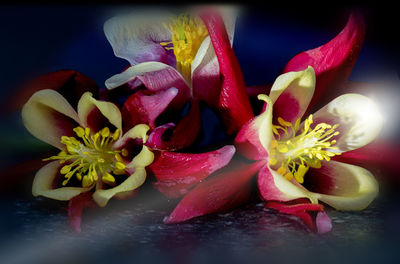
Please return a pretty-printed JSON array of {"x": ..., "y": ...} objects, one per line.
[
  {"x": 358, "y": 117},
  {"x": 233, "y": 102},
  {"x": 342, "y": 186},
  {"x": 178, "y": 172},
  {"x": 47, "y": 115},
  {"x": 226, "y": 189},
  {"x": 291, "y": 94},
  {"x": 155, "y": 76},
  {"x": 141, "y": 108},
  {"x": 97, "y": 114},
  {"x": 332, "y": 62},
  {"x": 182, "y": 135}
]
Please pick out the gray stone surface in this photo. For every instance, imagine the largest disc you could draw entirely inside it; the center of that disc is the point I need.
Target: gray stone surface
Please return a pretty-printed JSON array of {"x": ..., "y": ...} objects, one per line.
[{"x": 37, "y": 231}]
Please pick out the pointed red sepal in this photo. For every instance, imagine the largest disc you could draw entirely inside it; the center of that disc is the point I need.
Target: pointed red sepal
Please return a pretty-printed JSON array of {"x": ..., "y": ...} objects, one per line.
[
  {"x": 143, "y": 108},
  {"x": 183, "y": 135},
  {"x": 227, "y": 189},
  {"x": 75, "y": 207},
  {"x": 332, "y": 62},
  {"x": 178, "y": 172},
  {"x": 233, "y": 102},
  {"x": 312, "y": 215},
  {"x": 71, "y": 84}
]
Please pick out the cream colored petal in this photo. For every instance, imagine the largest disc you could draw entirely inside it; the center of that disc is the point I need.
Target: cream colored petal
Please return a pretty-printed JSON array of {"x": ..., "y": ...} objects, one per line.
[
  {"x": 134, "y": 181},
  {"x": 109, "y": 110},
  {"x": 291, "y": 189},
  {"x": 354, "y": 187},
  {"x": 143, "y": 159},
  {"x": 47, "y": 115},
  {"x": 358, "y": 117},
  {"x": 43, "y": 184},
  {"x": 134, "y": 71},
  {"x": 291, "y": 94},
  {"x": 138, "y": 131},
  {"x": 263, "y": 123}
]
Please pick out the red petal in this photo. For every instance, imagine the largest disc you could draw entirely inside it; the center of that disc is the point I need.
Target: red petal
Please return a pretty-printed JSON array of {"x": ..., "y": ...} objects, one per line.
[
  {"x": 377, "y": 157},
  {"x": 233, "y": 103},
  {"x": 184, "y": 134},
  {"x": 177, "y": 172},
  {"x": 71, "y": 84},
  {"x": 227, "y": 189},
  {"x": 332, "y": 62},
  {"x": 141, "y": 108},
  {"x": 312, "y": 215},
  {"x": 75, "y": 207}
]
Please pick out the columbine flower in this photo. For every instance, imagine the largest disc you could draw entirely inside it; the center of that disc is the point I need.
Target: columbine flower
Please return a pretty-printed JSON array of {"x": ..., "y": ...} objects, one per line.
[
  {"x": 299, "y": 154},
  {"x": 166, "y": 52},
  {"x": 95, "y": 156}
]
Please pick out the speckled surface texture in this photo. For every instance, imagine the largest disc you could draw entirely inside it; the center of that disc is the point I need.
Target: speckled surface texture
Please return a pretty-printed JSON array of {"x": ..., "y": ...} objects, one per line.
[{"x": 37, "y": 231}]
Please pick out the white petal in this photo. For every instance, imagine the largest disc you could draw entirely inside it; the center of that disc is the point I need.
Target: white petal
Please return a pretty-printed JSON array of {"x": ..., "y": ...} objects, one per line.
[
  {"x": 354, "y": 188},
  {"x": 136, "y": 37},
  {"x": 358, "y": 117},
  {"x": 134, "y": 71}
]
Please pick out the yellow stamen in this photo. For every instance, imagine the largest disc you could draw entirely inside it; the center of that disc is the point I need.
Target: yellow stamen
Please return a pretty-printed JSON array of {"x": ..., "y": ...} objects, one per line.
[
  {"x": 92, "y": 157},
  {"x": 187, "y": 34},
  {"x": 303, "y": 149}
]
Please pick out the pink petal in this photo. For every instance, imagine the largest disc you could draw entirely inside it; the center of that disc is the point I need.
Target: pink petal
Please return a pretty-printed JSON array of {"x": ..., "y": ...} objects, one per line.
[
  {"x": 177, "y": 172},
  {"x": 184, "y": 134},
  {"x": 233, "y": 100},
  {"x": 141, "y": 108},
  {"x": 75, "y": 207},
  {"x": 332, "y": 62},
  {"x": 71, "y": 84},
  {"x": 312, "y": 215},
  {"x": 248, "y": 141},
  {"x": 165, "y": 79},
  {"x": 227, "y": 189}
]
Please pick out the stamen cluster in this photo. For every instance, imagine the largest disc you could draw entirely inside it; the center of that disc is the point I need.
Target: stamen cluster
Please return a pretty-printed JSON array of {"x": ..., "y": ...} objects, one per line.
[
  {"x": 91, "y": 156},
  {"x": 301, "y": 149},
  {"x": 187, "y": 35}
]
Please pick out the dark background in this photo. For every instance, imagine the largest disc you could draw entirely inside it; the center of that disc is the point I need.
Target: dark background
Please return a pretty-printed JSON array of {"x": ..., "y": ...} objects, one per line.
[{"x": 43, "y": 38}]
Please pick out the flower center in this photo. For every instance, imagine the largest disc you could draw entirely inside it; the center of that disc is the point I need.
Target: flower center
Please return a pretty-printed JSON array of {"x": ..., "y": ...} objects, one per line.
[
  {"x": 90, "y": 156},
  {"x": 303, "y": 149},
  {"x": 187, "y": 35}
]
